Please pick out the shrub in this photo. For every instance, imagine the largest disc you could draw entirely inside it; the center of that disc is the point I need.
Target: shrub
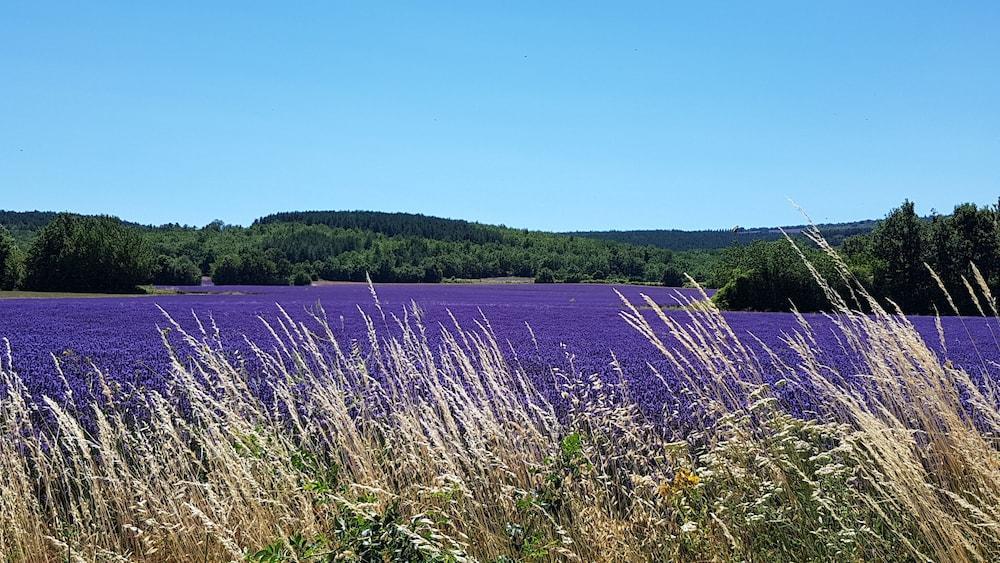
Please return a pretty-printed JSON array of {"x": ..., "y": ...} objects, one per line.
[
  {"x": 771, "y": 276},
  {"x": 545, "y": 275},
  {"x": 671, "y": 277},
  {"x": 301, "y": 277},
  {"x": 432, "y": 274}
]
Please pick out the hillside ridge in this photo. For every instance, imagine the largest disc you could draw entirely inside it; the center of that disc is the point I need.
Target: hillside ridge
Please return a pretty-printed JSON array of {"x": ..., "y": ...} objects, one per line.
[{"x": 23, "y": 224}]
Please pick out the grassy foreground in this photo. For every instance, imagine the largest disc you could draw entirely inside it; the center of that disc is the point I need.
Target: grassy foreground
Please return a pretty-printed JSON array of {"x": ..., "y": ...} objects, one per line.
[{"x": 420, "y": 453}]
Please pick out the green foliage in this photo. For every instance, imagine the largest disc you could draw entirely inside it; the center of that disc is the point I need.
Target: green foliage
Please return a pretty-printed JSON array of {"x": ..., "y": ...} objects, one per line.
[
  {"x": 301, "y": 277},
  {"x": 25, "y": 225},
  {"x": 393, "y": 224},
  {"x": 888, "y": 257},
  {"x": 179, "y": 270},
  {"x": 252, "y": 266},
  {"x": 717, "y": 239},
  {"x": 83, "y": 253},
  {"x": 349, "y": 246},
  {"x": 898, "y": 249},
  {"x": 545, "y": 275},
  {"x": 896, "y": 255},
  {"x": 10, "y": 261},
  {"x": 892, "y": 261},
  {"x": 785, "y": 485},
  {"x": 390, "y": 247},
  {"x": 771, "y": 276},
  {"x": 672, "y": 277},
  {"x": 532, "y": 536}
]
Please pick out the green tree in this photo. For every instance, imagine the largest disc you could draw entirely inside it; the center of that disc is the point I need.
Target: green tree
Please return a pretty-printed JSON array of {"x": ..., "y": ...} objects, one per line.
[
  {"x": 178, "y": 270},
  {"x": 85, "y": 253},
  {"x": 10, "y": 261},
  {"x": 771, "y": 276},
  {"x": 432, "y": 273},
  {"x": 545, "y": 275},
  {"x": 672, "y": 277},
  {"x": 898, "y": 248},
  {"x": 301, "y": 276},
  {"x": 227, "y": 270}
]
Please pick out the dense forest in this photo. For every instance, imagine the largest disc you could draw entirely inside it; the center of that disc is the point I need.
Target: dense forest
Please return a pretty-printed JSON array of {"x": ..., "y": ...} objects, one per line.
[
  {"x": 677, "y": 240},
  {"x": 67, "y": 252},
  {"x": 24, "y": 225},
  {"x": 302, "y": 247}
]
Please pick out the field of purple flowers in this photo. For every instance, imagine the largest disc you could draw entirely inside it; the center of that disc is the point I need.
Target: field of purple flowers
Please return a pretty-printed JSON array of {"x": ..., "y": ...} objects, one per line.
[
  {"x": 305, "y": 424},
  {"x": 568, "y": 323}
]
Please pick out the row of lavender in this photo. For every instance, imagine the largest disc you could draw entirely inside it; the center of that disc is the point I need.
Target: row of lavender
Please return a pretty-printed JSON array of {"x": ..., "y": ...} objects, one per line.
[{"x": 581, "y": 322}]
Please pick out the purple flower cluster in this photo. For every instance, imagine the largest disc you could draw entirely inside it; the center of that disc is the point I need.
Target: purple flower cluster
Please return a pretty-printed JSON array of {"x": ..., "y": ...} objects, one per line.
[{"x": 121, "y": 336}]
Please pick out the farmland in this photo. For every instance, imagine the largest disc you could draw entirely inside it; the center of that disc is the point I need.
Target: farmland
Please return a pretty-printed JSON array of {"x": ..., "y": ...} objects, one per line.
[
  {"x": 121, "y": 335},
  {"x": 526, "y": 422}
]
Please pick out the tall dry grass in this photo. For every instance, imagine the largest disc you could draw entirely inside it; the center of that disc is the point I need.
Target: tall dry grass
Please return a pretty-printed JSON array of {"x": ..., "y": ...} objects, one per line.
[{"x": 403, "y": 450}]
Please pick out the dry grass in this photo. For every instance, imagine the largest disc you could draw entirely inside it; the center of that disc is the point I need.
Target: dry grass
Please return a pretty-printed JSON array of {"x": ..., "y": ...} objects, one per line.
[{"x": 412, "y": 452}]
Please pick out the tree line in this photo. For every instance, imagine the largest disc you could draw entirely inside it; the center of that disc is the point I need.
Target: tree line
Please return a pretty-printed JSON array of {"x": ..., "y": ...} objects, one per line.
[
  {"x": 897, "y": 261},
  {"x": 99, "y": 253},
  {"x": 68, "y": 252},
  {"x": 678, "y": 240}
]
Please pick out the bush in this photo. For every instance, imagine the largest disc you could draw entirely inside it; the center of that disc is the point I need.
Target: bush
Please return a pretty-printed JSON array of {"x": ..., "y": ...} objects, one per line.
[
  {"x": 78, "y": 253},
  {"x": 771, "y": 276},
  {"x": 671, "y": 277},
  {"x": 545, "y": 275},
  {"x": 301, "y": 276},
  {"x": 433, "y": 274}
]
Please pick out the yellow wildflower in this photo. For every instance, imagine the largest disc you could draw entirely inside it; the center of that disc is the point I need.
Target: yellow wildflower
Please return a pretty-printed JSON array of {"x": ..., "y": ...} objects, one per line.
[{"x": 685, "y": 478}]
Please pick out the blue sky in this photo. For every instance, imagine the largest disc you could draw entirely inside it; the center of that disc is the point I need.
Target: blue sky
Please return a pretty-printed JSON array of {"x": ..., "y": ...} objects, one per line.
[{"x": 557, "y": 116}]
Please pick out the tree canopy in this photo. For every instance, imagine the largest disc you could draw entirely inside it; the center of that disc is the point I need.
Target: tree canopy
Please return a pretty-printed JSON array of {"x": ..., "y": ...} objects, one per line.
[
  {"x": 10, "y": 261},
  {"x": 894, "y": 262},
  {"x": 87, "y": 253}
]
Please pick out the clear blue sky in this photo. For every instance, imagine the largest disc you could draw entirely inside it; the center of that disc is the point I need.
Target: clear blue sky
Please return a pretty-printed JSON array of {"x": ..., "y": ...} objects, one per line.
[{"x": 547, "y": 115}]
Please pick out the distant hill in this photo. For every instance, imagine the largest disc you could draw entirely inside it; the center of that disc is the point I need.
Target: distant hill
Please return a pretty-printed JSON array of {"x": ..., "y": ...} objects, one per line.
[
  {"x": 393, "y": 224},
  {"x": 679, "y": 240},
  {"x": 390, "y": 247},
  {"x": 24, "y": 224}
]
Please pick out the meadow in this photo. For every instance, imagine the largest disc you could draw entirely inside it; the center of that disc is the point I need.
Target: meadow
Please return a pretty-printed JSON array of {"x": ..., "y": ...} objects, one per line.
[{"x": 514, "y": 422}]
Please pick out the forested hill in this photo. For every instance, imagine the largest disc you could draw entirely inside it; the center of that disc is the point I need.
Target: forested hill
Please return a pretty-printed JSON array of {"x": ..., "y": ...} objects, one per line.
[
  {"x": 674, "y": 239},
  {"x": 51, "y": 250},
  {"x": 24, "y": 224},
  {"x": 393, "y": 224}
]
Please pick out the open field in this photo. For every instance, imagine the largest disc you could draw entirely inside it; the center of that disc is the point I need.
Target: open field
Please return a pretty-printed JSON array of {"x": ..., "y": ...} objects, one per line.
[
  {"x": 515, "y": 422},
  {"x": 120, "y": 335}
]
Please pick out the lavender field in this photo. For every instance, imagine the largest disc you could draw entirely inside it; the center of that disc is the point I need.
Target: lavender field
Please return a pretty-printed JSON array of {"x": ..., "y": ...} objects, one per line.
[
  {"x": 492, "y": 423},
  {"x": 121, "y": 335}
]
